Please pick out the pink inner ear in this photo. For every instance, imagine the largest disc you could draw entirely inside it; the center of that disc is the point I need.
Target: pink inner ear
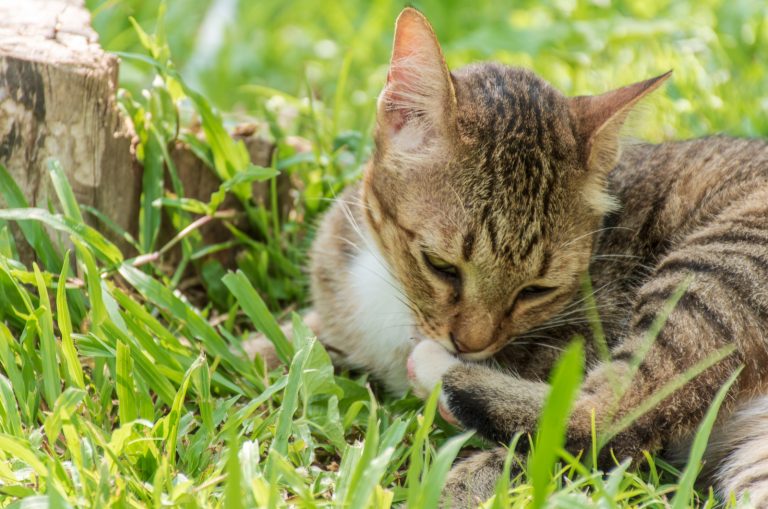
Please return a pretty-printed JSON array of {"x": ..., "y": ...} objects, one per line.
[
  {"x": 415, "y": 102},
  {"x": 401, "y": 83},
  {"x": 397, "y": 115}
]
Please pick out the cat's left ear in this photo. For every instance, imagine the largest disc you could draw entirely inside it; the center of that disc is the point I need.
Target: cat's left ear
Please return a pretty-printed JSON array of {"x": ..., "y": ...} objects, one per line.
[
  {"x": 598, "y": 120},
  {"x": 418, "y": 103}
]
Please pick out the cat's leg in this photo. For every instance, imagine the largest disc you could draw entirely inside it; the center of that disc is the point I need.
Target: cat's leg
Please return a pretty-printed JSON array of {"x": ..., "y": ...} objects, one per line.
[
  {"x": 473, "y": 480},
  {"x": 258, "y": 344}
]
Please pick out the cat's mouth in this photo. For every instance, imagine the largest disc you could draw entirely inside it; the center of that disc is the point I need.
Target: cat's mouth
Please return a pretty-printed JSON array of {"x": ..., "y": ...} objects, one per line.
[
  {"x": 481, "y": 355},
  {"x": 478, "y": 355}
]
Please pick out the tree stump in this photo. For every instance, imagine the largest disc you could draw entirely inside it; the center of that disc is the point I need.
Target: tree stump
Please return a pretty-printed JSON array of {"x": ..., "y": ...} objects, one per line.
[{"x": 57, "y": 100}]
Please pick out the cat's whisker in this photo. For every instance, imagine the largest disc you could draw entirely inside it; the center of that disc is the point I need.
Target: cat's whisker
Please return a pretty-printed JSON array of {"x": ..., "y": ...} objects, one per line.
[
  {"x": 459, "y": 200},
  {"x": 357, "y": 203},
  {"x": 576, "y": 303},
  {"x": 356, "y": 227},
  {"x": 615, "y": 255},
  {"x": 544, "y": 345},
  {"x": 556, "y": 325},
  {"x": 594, "y": 232},
  {"x": 400, "y": 326},
  {"x": 530, "y": 336}
]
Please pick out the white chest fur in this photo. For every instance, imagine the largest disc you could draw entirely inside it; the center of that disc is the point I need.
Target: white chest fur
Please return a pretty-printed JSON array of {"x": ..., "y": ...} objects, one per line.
[{"x": 383, "y": 322}]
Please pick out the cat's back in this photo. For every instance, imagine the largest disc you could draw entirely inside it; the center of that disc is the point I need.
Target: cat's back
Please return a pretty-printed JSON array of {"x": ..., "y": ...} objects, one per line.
[
  {"x": 666, "y": 191},
  {"x": 669, "y": 192},
  {"x": 686, "y": 177}
]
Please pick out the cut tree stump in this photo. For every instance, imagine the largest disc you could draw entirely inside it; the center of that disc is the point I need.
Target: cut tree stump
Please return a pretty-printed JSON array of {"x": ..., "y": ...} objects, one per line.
[{"x": 57, "y": 100}]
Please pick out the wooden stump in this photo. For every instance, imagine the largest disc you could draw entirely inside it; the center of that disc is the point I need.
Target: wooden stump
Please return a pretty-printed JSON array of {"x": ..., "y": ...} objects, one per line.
[{"x": 57, "y": 100}]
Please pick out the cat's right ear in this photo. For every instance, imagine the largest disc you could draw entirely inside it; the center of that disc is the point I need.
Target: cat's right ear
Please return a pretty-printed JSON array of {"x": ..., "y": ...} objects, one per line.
[
  {"x": 418, "y": 104},
  {"x": 599, "y": 119}
]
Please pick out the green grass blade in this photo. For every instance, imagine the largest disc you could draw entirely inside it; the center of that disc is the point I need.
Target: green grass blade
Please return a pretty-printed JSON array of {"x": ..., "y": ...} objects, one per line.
[
  {"x": 99, "y": 312},
  {"x": 417, "y": 455},
  {"x": 435, "y": 479},
  {"x": 73, "y": 370},
  {"x": 664, "y": 392},
  {"x": 23, "y": 450},
  {"x": 33, "y": 232},
  {"x": 357, "y": 493},
  {"x": 164, "y": 297},
  {"x": 48, "y": 346},
  {"x": 145, "y": 367},
  {"x": 116, "y": 229},
  {"x": 62, "y": 412},
  {"x": 174, "y": 418},
  {"x": 8, "y": 346},
  {"x": 152, "y": 190},
  {"x": 63, "y": 190},
  {"x": 253, "y": 306},
  {"x": 290, "y": 401},
  {"x": 564, "y": 386},
  {"x": 11, "y": 419},
  {"x": 233, "y": 496},
  {"x": 126, "y": 399},
  {"x": 106, "y": 251},
  {"x": 698, "y": 448},
  {"x": 202, "y": 382}
]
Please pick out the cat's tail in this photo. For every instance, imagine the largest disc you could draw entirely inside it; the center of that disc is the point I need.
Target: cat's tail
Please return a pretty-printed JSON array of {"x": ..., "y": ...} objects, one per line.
[{"x": 738, "y": 454}]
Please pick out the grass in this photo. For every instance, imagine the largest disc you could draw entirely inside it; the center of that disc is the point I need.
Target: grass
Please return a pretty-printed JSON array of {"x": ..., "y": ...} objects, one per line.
[{"x": 120, "y": 388}]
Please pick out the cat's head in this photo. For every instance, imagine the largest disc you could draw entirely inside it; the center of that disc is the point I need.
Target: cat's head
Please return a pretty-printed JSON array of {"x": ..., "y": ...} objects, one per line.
[{"x": 486, "y": 188}]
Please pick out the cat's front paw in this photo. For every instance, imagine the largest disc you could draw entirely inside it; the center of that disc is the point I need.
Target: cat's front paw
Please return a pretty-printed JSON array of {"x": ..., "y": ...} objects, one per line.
[{"x": 427, "y": 364}]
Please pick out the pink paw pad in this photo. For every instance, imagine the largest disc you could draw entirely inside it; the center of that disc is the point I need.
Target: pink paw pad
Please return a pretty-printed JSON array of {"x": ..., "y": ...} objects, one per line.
[
  {"x": 411, "y": 368},
  {"x": 447, "y": 415}
]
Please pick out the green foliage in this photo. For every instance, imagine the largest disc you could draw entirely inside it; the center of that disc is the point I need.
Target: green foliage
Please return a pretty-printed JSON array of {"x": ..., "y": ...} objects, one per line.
[
  {"x": 685, "y": 492},
  {"x": 241, "y": 55},
  {"x": 565, "y": 385},
  {"x": 116, "y": 390}
]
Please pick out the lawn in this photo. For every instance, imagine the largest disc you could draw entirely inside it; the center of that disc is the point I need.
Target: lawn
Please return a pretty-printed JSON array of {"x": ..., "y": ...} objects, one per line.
[{"x": 122, "y": 383}]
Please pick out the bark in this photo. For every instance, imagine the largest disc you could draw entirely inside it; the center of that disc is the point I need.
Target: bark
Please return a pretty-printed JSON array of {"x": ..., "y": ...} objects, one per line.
[{"x": 57, "y": 100}]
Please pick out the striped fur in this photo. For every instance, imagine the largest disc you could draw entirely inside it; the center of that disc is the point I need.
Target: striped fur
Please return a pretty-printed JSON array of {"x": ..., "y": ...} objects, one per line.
[{"x": 520, "y": 187}]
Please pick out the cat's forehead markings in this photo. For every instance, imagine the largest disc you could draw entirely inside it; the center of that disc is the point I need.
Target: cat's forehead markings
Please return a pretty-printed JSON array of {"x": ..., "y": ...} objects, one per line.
[
  {"x": 388, "y": 213},
  {"x": 468, "y": 246}
]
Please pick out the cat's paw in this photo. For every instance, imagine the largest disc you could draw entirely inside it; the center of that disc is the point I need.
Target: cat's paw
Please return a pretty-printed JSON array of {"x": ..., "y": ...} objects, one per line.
[
  {"x": 426, "y": 366},
  {"x": 258, "y": 344}
]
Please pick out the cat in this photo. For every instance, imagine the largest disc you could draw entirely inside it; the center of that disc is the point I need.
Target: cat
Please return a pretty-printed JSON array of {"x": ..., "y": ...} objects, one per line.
[{"x": 488, "y": 197}]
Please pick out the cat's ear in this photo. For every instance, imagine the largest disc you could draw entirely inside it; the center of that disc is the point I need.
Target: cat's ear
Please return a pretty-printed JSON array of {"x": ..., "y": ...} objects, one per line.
[
  {"x": 418, "y": 102},
  {"x": 598, "y": 120}
]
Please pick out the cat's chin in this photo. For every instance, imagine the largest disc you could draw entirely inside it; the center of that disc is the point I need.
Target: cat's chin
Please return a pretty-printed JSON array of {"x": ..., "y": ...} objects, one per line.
[{"x": 479, "y": 356}]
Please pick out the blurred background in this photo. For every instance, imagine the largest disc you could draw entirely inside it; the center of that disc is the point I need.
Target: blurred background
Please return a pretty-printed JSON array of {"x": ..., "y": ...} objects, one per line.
[{"x": 238, "y": 53}]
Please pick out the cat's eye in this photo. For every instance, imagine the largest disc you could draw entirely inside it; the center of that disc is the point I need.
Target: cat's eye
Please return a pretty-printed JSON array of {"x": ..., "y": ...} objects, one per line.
[
  {"x": 439, "y": 265},
  {"x": 534, "y": 292}
]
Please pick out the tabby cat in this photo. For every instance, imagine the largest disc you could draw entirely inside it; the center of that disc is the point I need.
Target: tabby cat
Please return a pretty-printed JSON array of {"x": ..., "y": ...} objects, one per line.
[{"x": 489, "y": 196}]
